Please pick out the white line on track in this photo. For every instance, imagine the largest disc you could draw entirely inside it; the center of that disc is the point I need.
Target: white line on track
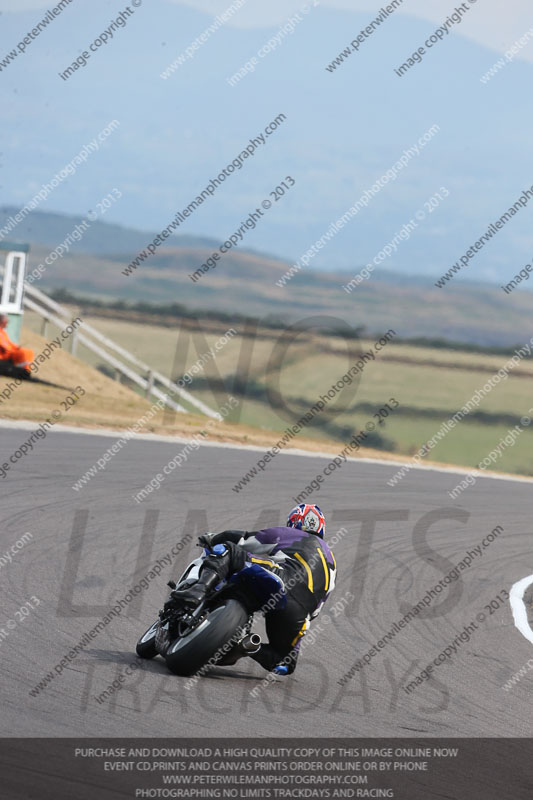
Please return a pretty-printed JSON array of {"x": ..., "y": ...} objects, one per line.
[
  {"x": 518, "y": 607},
  {"x": 28, "y": 425}
]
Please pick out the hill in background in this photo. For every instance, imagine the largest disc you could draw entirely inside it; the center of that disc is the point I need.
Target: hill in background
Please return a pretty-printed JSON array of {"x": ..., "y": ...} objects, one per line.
[{"x": 245, "y": 282}]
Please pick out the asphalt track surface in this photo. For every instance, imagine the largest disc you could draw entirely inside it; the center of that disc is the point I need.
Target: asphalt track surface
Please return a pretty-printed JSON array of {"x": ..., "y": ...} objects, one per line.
[{"x": 79, "y": 576}]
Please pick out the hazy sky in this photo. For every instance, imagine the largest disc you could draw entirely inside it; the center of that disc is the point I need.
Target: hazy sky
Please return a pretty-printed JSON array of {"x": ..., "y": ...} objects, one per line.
[{"x": 495, "y": 24}]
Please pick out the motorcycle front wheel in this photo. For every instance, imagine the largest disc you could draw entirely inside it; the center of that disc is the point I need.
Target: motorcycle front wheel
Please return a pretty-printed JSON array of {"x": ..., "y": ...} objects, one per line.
[{"x": 146, "y": 644}]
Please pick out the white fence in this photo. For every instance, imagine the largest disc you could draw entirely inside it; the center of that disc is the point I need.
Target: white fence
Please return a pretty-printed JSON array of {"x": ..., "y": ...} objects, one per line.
[{"x": 153, "y": 383}]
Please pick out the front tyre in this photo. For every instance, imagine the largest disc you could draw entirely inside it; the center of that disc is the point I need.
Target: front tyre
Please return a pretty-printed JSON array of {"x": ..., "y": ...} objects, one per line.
[
  {"x": 146, "y": 644},
  {"x": 222, "y": 626}
]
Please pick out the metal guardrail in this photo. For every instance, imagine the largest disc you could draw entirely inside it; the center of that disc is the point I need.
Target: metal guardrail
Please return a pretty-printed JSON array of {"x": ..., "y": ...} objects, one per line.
[{"x": 124, "y": 362}]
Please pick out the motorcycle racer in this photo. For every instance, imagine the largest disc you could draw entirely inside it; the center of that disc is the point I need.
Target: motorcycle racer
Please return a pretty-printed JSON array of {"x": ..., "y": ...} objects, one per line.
[{"x": 301, "y": 561}]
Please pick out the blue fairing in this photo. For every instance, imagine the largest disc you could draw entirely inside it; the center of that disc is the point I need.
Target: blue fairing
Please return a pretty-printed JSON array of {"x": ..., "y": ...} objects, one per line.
[{"x": 262, "y": 583}]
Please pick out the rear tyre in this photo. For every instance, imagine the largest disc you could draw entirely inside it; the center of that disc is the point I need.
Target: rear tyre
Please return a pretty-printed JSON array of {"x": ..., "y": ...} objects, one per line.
[
  {"x": 146, "y": 644},
  {"x": 187, "y": 655}
]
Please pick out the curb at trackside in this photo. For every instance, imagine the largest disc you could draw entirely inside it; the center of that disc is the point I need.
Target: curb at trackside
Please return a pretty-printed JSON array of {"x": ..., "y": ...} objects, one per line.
[{"x": 28, "y": 425}]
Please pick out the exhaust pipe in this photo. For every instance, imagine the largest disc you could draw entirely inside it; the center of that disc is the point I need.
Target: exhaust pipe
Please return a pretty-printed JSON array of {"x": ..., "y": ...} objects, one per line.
[{"x": 251, "y": 644}]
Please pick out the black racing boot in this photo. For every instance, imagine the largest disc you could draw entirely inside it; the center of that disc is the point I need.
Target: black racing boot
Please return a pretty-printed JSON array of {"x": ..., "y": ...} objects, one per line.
[
  {"x": 193, "y": 595},
  {"x": 221, "y": 561}
]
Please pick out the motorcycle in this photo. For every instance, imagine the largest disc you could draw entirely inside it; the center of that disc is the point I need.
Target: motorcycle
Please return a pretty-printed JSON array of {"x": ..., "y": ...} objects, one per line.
[{"x": 219, "y": 630}]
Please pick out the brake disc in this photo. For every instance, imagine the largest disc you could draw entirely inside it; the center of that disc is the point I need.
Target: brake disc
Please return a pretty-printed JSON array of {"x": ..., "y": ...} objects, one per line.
[{"x": 161, "y": 641}]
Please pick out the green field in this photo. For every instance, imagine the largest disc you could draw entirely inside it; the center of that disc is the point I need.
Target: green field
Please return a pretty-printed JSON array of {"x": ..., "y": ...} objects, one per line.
[{"x": 430, "y": 385}]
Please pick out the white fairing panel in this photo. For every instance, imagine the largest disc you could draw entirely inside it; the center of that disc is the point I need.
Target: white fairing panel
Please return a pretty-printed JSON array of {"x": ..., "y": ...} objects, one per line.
[{"x": 192, "y": 571}]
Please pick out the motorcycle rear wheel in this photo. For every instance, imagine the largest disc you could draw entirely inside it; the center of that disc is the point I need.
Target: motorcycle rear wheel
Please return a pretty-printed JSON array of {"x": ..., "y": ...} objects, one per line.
[{"x": 212, "y": 639}]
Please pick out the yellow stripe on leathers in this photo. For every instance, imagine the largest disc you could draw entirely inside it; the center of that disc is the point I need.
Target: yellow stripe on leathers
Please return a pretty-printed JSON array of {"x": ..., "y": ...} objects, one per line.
[
  {"x": 264, "y": 561},
  {"x": 300, "y": 632},
  {"x": 326, "y": 570},
  {"x": 307, "y": 569}
]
